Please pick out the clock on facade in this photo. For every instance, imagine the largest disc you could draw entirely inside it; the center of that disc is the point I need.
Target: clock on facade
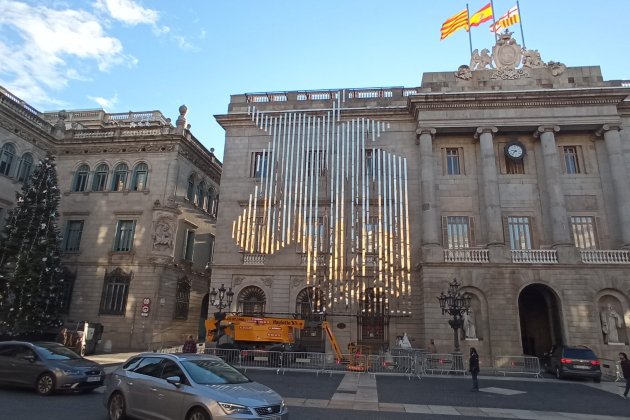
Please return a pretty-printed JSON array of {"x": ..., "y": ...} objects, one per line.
[{"x": 515, "y": 150}]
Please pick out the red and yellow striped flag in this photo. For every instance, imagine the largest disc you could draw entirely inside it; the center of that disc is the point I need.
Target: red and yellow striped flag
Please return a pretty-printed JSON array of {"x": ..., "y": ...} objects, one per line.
[
  {"x": 510, "y": 18},
  {"x": 483, "y": 15},
  {"x": 455, "y": 22}
]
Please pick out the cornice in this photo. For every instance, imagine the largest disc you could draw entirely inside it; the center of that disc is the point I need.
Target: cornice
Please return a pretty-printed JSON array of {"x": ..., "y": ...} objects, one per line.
[{"x": 27, "y": 131}]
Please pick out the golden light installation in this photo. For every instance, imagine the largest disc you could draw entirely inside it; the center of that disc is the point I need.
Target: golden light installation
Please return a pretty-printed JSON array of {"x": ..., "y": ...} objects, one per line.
[{"x": 324, "y": 186}]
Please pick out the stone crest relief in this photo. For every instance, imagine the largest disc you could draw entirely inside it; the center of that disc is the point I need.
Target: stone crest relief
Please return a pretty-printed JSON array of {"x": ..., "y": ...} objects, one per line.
[{"x": 164, "y": 231}]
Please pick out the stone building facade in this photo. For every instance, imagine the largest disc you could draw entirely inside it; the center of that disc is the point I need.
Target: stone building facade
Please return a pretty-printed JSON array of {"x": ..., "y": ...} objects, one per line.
[
  {"x": 138, "y": 215},
  {"x": 361, "y": 205}
]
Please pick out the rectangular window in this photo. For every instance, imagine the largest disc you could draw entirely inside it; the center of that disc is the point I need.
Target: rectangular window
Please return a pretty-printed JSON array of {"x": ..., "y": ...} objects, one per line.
[
  {"x": 458, "y": 232},
  {"x": 453, "y": 166},
  {"x": 115, "y": 292},
  {"x": 74, "y": 229},
  {"x": 519, "y": 232},
  {"x": 189, "y": 245},
  {"x": 371, "y": 233},
  {"x": 571, "y": 156},
  {"x": 316, "y": 162},
  {"x": 259, "y": 165},
  {"x": 100, "y": 181},
  {"x": 123, "y": 242},
  {"x": 584, "y": 232}
]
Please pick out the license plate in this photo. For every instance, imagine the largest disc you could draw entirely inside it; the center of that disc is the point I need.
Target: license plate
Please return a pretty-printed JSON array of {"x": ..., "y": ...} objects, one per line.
[
  {"x": 273, "y": 418},
  {"x": 581, "y": 367},
  {"x": 93, "y": 378}
]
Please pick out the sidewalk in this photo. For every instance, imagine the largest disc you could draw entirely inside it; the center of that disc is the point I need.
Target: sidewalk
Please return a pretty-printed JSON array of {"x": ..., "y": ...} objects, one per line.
[{"x": 110, "y": 358}]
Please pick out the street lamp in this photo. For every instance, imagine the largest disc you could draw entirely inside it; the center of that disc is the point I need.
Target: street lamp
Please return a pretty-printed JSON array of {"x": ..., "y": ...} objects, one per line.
[
  {"x": 456, "y": 305},
  {"x": 224, "y": 300}
]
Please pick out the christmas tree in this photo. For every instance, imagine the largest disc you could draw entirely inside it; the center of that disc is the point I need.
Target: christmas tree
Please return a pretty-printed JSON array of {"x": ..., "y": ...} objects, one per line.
[{"x": 31, "y": 283}]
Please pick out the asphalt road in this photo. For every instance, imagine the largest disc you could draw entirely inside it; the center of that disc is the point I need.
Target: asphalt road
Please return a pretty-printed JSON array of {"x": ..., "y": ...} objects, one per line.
[{"x": 564, "y": 396}]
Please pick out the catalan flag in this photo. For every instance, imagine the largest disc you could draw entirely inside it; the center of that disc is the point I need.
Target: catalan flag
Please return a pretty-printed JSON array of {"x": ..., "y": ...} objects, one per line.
[
  {"x": 510, "y": 18},
  {"x": 455, "y": 22},
  {"x": 483, "y": 15}
]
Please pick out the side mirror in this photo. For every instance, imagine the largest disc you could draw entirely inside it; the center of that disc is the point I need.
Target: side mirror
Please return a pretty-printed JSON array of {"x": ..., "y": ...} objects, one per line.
[
  {"x": 30, "y": 358},
  {"x": 174, "y": 380}
]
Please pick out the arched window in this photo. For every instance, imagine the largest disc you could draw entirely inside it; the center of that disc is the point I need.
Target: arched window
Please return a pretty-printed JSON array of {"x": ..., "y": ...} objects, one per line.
[
  {"x": 7, "y": 153},
  {"x": 182, "y": 298},
  {"x": 310, "y": 301},
  {"x": 119, "y": 180},
  {"x": 26, "y": 164},
  {"x": 81, "y": 178},
  {"x": 190, "y": 191},
  {"x": 140, "y": 175},
  {"x": 115, "y": 292},
  {"x": 200, "y": 194},
  {"x": 99, "y": 182},
  {"x": 251, "y": 301}
]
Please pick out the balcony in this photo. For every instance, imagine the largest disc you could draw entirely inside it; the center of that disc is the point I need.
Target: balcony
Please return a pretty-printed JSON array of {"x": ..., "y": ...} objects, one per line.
[
  {"x": 467, "y": 255},
  {"x": 608, "y": 256},
  {"x": 253, "y": 259},
  {"x": 534, "y": 256}
]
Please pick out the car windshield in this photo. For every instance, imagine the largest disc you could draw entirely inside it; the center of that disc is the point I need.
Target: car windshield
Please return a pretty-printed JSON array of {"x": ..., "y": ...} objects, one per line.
[
  {"x": 213, "y": 372},
  {"x": 579, "y": 354},
  {"x": 56, "y": 352}
]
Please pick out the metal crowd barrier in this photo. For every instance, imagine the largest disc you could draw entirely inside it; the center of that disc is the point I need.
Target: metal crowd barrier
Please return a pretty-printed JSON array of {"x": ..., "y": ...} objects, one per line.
[
  {"x": 261, "y": 359},
  {"x": 525, "y": 365},
  {"x": 611, "y": 369},
  {"x": 444, "y": 363},
  {"x": 392, "y": 365},
  {"x": 303, "y": 361}
]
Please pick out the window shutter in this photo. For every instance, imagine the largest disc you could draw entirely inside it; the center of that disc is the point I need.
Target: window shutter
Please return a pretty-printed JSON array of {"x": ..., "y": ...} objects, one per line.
[
  {"x": 462, "y": 161},
  {"x": 444, "y": 232},
  {"x": 506, "y": 232},
  {"x": 581, "y": 162},
  {"x": 563, "y": 166},
  {"x": 597, "y": 221},
  {"x": 471, "y": 229},
  {"x": 533, "y": 231}
]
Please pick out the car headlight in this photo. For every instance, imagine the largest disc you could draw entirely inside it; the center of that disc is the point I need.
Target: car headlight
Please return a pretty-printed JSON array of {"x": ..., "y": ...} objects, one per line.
[
  {"x": 283, "y": 406},
  {"x": 72, "y": 372},
  {"x": 234, "y": 408}
]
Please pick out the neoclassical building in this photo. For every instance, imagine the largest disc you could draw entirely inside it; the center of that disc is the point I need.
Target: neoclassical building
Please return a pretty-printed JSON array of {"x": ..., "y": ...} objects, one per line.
[
  {"x": 138, "y": 215},
  {"x": 361, "y": 205}
]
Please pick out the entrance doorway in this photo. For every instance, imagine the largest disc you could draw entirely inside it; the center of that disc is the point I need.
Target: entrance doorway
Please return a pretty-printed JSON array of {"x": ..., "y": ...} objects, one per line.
[{"x": 539, "y": 314}]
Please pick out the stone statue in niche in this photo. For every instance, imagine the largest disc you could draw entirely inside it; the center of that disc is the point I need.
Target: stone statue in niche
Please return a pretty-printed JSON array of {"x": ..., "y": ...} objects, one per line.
[
  {"x": 611, "y": 322},
  {"x": 470, "y": 328},
  {"x": 163, "y": 235}
]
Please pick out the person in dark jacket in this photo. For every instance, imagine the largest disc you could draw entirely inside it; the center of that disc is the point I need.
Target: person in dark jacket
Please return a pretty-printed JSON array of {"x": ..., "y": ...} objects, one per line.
[
  {"x": 190, "y": 345},
  {"x": 473, "y": 364},
  {"x": 624, "y": 363}
]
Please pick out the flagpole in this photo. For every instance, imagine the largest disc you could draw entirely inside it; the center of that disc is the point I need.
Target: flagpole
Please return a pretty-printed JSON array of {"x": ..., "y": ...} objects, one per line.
[
  {"x": 520, "y": 22},
  {"x": 469, "y": 35},
  {"x": 494, "y": 22}
]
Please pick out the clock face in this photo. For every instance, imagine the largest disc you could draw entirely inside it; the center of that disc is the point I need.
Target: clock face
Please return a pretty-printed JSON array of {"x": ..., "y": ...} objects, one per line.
[{"x": 515, "y": 151}]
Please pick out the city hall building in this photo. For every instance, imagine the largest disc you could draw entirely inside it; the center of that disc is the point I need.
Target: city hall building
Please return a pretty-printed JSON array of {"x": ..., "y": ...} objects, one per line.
[{"x": 360, "y": 206}]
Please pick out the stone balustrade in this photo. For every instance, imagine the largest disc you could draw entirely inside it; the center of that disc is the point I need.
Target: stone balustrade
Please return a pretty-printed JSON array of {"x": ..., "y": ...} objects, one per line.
[
  {"x": 331, "y": 94},
  {"x": 607, "y": 256},
  {"x": 534, "y": 256},
  {"x": 253, "y": 259},
  {"x": 467, "y": 255}
]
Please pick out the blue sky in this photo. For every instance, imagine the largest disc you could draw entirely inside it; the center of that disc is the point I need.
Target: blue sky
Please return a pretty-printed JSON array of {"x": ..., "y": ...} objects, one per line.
[{"x": 144, "y": 55}]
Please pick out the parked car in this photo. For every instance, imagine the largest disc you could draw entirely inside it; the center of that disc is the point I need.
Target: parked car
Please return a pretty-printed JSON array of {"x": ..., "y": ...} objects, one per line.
[
  {"x": 574, "y": 361},
  {"x": 187, "y": 387},
  {"x": 47, "y": 367}
]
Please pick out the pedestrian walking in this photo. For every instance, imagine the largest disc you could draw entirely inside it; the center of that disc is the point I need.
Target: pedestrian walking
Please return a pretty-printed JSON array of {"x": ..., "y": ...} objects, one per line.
[
  {"x": 190, "y": 345},
  {"x": 473, "y": 367},
  {"x": 624, "y": 363}
]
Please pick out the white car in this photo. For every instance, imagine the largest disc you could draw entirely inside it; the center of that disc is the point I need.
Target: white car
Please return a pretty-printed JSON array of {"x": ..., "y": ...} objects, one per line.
[{"x": 187, "y": 387}]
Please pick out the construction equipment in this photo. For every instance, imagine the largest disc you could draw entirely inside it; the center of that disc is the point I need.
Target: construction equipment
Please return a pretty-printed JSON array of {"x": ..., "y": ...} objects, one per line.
[{"x": 254, "y": 332}]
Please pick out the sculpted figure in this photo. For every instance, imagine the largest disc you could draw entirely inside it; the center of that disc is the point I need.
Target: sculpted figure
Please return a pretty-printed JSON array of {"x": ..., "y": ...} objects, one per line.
[
  {"x": 475, "y": 60},
  {"x": 470, "y": 329},
  {"x": 463, "y": 72},
  {"x": 163, "y": 236},
  {"x": 485, "y": 59},
  {"x": 531, "y": 59},
  {"x": 611, "y": 322}
]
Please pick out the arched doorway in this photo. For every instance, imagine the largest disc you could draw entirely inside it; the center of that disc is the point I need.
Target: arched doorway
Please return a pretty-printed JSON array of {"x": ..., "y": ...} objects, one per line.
[
  {"x": 539, "y": 313},
  {"x": 373, "y": 321},
  {"x": 202, "y": 318},
  {"x": 310, "y": 306}
]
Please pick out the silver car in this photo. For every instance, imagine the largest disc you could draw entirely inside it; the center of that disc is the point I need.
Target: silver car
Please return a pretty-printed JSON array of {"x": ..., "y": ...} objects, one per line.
[
  {"x": 187, "y": 387},
  {"x": 47, "y": 367}
]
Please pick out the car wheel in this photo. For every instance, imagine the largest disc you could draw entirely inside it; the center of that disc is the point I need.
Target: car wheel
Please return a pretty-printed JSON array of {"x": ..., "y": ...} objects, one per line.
[
  {"x": 116, "y": 407},
  {"x": 198, "y": 414},
  {"x": 558, "y": 374},
  {"x": 45, "y": 384}
]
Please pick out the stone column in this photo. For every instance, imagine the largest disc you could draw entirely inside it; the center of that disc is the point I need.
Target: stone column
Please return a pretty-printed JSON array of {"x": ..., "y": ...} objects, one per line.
[
  {"x": 430, "y": 215},
  {"x": 612, "y": 140},
  {"x": 560, "y": 231},
  {"x": 492, "y": 200},
  {"x": 170, "y": 188}
]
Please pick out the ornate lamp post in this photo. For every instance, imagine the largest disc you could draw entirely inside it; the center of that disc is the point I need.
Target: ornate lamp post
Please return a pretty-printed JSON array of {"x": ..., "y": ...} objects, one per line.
[
  {"x": 224, "y": 300},
  {"x": 456, "y": 305}
]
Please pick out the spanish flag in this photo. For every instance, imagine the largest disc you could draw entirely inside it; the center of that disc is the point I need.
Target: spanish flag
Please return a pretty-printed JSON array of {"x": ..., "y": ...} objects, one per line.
[
  {"x": 455, "y": 22},
  {"x": 510, "y": 18},
  {"x": 483, "y": 15}
]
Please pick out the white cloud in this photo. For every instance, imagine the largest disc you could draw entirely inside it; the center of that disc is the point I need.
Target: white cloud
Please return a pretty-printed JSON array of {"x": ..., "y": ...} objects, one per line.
[
  {"x": 128, "y": 11},
  {"x": 40, "y": 48},
  {"x": 106, "y": 104}
]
